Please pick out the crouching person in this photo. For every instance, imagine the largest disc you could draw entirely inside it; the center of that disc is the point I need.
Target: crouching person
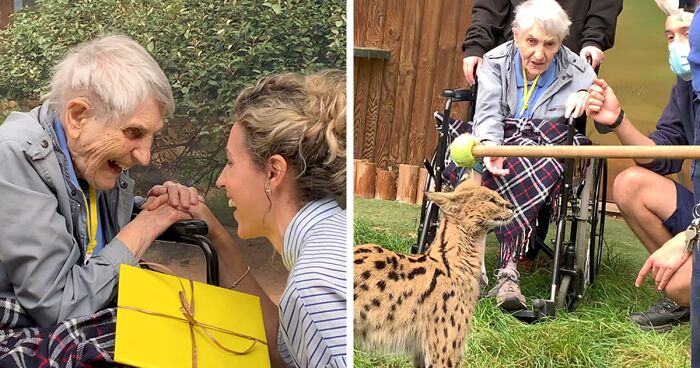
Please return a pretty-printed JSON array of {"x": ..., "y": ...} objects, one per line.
[{"x": 659, "y": 223}]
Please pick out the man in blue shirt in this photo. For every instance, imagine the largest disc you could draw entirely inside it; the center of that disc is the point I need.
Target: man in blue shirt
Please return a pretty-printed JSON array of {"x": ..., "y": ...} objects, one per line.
[
  {"x": 653, "y": 219},
  {"x": 694, "y": 61}
]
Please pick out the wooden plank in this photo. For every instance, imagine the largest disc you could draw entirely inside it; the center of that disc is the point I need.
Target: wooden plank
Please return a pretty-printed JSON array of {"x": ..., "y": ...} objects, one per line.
[
  {"x": 407, "y": 183},
  {"x": 405, "y": 86},
  {"x": 370, "y": 53},
  {"x": 374, "y": 96},
  {"x": 7, "y": 8},
  {"x": 360, "y": 24},
  {"x": 355, "y": 164},
  {"x": 385, "y": 185},
  {"x": 362, "y": 73},
  {"x": 366, "y": 177},
  {"x": 375, "y": 23},
  {"x": 385, "y": 122},
  {"x": 422, "y": 179},
  {"x": 421, "y": 114},
  {"x": 444, "y": 64}
]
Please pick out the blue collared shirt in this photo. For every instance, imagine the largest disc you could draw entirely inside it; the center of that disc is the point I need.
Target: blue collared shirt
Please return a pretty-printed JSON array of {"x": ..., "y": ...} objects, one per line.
[
  {"x": 313, "y": 305},
  {"x": 61, "y": 137},
  {"x": 546, "y": 79}
]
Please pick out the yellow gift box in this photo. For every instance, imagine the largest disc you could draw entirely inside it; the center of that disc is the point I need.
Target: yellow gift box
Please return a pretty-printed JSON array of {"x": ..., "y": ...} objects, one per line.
[{"x": 160, "y": 324}]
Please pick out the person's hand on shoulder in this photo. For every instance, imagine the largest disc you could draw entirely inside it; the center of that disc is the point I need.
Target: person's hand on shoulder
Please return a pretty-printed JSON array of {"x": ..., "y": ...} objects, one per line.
[
  {"x": 470, "y": 65},
  {"x": 593, "y": 55}
]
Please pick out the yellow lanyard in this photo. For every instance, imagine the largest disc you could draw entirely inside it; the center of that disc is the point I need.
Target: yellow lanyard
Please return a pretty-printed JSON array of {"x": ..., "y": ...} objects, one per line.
[
  {"x": 527, "y": 92},
  {"x": 92, "y": 220}
]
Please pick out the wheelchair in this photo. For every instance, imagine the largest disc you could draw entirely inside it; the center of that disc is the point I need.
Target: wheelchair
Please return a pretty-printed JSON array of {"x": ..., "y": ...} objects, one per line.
[
  {"x": 576, "y": 249},
  {"x": 192, "y": 233}
]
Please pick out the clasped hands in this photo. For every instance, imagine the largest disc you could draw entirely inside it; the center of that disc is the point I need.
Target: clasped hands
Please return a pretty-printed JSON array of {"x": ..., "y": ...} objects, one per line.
[{"x": 178, "y": 197}]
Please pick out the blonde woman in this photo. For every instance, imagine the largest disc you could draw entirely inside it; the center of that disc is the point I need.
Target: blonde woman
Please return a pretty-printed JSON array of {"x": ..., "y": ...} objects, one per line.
[{"x": 285, "y": 168}]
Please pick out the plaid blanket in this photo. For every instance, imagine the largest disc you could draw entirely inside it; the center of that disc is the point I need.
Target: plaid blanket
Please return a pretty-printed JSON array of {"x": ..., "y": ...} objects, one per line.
[
  {"x": 530, "y": 184},
  {"x": 79, "y": 342}
]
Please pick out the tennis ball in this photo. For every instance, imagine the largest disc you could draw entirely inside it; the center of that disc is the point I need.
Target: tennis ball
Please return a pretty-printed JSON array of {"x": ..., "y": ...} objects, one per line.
[{"x": 461, "y": 150}]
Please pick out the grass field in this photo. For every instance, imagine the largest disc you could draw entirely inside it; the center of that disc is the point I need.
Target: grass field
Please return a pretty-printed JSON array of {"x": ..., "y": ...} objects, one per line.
[{"x": 597, "y": 334}]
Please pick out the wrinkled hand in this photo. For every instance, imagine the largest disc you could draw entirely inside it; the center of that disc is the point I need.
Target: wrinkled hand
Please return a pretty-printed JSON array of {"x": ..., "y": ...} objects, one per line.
[
  {"x": 143, "y": 230},
  {"x": 595, "y": 54},
  {"x": 495, "y": 164},
  {"x": 664, "y": 262},
  {"x": 602, "y": 104},
  {"x": 176, "y": 195},
  {"x": 201, "y": 211},
  {"x": 576, "y": 104},
  {"x": 470, "y": 65}
]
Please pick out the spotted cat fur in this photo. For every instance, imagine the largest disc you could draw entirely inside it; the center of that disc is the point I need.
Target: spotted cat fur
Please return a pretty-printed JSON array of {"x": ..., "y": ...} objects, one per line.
[{"x": 422, "y": 304}]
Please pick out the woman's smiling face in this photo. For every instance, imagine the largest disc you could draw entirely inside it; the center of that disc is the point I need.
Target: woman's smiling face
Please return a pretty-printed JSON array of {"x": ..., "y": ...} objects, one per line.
[{"x": 244, "y": 182}]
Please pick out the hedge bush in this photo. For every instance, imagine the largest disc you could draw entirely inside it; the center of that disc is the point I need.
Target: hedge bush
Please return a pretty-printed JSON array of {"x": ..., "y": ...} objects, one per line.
[{"x": 209, "y": 49}]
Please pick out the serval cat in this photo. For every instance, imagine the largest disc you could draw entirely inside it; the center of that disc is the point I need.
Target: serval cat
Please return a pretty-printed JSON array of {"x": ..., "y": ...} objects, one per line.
[{"x": 421, "y": 304}]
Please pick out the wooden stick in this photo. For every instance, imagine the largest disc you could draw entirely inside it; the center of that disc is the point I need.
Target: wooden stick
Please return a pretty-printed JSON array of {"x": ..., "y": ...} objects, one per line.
[{"x": 662, "y": 152}]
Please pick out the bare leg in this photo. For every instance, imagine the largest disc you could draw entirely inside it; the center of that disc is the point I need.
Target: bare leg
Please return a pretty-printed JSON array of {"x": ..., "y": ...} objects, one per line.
[
  {"x": 678, "y": 288},
  {"x": 636, "y": 192}
]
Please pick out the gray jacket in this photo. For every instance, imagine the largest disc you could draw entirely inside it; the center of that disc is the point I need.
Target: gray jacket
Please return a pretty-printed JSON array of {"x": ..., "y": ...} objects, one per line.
[
  {"x": 496, "y": 97},
  {"x": 43, "y": 263}
]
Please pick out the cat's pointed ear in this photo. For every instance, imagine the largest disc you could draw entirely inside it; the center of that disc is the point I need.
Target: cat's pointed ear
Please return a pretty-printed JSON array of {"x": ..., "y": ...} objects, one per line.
[{"x": 444, "y": 200}]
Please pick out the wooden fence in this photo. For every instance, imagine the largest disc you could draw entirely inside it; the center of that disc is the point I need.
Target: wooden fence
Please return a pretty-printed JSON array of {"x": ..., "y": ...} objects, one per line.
[
  {"x": 7, "y": 8},
  {"x": 406, "y": 53}
]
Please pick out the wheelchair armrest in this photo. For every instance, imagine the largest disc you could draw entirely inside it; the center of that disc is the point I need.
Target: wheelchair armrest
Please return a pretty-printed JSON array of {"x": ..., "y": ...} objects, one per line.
[
  {"x": 185, "y": 228},
  {"x": 463, "y": 94},
  {"x": 194, "y": 232}
]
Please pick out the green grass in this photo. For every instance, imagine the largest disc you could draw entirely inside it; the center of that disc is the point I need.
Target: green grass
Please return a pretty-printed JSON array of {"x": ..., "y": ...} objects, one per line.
[{"x": 596, "y": 334}]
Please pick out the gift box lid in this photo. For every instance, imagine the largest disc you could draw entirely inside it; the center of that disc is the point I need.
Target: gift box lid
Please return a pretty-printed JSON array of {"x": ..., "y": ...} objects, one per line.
[{"x": 152, "y": 331}]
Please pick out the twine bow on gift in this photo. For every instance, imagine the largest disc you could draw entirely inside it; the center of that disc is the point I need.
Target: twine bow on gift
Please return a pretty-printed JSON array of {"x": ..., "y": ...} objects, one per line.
[{"x": 187, "y": 310}]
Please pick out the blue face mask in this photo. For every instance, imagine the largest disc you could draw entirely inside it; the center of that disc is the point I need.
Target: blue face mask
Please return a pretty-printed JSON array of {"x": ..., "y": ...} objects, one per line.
[{"x": 678, "y": 59}]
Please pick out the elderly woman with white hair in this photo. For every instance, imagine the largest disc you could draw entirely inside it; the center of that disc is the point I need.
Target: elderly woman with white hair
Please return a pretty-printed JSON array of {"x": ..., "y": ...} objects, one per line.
[
  {"x": 67, "y": 203},
  {"x": 526, "y": 89}
]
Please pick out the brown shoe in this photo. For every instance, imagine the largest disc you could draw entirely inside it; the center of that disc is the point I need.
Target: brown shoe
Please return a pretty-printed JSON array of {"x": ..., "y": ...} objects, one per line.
[{"x": 507, "y": 290}]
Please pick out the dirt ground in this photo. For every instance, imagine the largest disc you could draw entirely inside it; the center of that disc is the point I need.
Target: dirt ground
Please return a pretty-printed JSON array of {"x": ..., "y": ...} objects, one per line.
[{"x": 188, "y": 261}]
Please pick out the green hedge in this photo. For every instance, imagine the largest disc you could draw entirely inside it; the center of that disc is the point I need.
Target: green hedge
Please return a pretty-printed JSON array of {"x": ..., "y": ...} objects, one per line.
[{"x": 209, "y": 49}]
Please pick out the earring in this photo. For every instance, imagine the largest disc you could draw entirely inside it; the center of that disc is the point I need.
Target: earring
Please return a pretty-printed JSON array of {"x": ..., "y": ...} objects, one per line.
[{"x": 267, "y": 189}]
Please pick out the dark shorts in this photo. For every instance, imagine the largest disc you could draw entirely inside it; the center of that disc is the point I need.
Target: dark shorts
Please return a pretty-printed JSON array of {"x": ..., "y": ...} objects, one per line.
[{"x": 683, "y": 215}]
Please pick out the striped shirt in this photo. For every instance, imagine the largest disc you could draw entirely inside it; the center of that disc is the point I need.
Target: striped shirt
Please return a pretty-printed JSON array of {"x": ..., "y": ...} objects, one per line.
[{"x": 313, "y": 306}]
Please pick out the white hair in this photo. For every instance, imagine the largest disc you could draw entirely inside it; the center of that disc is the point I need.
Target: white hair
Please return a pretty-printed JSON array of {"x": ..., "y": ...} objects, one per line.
[
  {"x": 547, "y": 13},
  {"x": 115, "y": 73}
]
